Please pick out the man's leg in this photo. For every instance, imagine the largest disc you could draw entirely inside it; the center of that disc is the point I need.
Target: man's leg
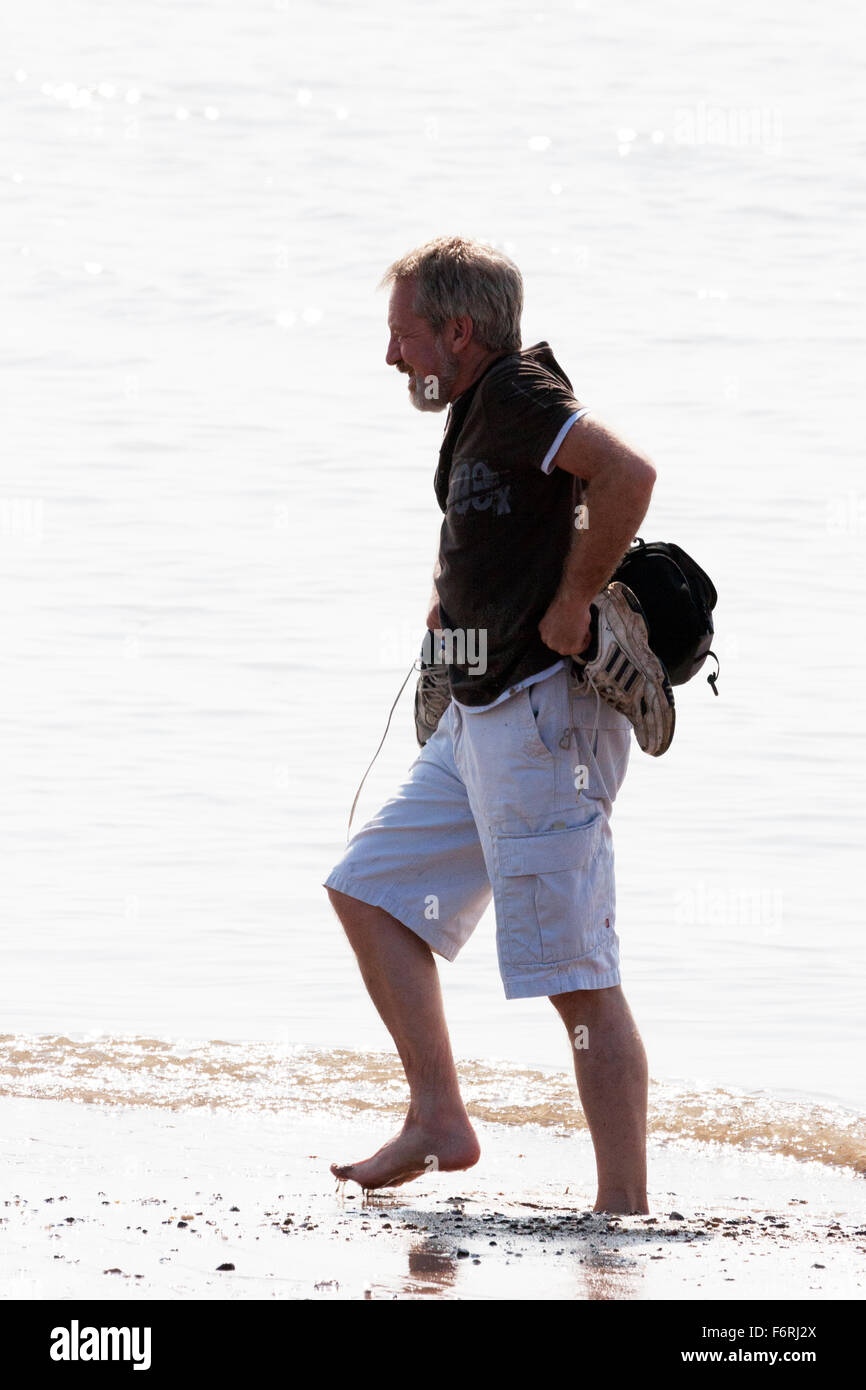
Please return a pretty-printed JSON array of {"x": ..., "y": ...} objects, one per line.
[
  {"x": 611, "y": 1069},
  {"x": 401, "y": 977}
]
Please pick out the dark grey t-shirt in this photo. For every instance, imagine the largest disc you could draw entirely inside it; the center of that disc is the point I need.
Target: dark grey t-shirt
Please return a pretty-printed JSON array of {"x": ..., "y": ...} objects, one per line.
[{"x": 508, "y": 525}]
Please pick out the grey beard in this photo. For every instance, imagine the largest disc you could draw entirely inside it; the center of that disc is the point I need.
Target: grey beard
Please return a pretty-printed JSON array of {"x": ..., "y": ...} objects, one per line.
[
  {"x": 422, "y": 401},
  {"x": 435, "y": 394}
]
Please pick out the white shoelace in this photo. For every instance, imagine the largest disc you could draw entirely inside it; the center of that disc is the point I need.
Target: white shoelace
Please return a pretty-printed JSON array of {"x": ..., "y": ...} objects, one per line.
[
  {"x": 412, "y": 668},
  {"x": 572, "y": 691}
]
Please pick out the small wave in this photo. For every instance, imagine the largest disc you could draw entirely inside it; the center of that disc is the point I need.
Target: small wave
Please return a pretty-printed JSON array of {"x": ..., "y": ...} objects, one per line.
[{"x": 224, "y": 1075}]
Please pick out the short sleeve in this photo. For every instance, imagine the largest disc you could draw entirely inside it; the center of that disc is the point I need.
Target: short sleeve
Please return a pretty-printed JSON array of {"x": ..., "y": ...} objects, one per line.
[
  {"x": 527, "y": 414},
  {"x": 550, "y": 457}
]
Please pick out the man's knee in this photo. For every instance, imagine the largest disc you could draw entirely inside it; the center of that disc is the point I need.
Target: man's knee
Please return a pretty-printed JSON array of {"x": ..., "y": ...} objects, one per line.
[{"x": 585, "y": 1001}]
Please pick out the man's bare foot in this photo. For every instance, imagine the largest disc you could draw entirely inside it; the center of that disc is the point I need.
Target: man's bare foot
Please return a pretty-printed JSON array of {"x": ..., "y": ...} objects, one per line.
[{"x": 416, "y": 1150}]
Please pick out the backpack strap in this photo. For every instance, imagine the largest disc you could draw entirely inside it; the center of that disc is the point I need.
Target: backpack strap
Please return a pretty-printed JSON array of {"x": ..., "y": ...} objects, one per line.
[{"x": 711, "y": 680}]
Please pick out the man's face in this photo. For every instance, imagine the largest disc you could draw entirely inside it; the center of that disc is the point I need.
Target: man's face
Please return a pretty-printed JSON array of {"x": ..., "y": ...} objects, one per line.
[{"x": 415, "y": 349}]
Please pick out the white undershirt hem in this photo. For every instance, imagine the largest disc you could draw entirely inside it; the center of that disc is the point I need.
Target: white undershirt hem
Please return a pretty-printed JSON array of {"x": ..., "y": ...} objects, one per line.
[{"x": 512, "y": 690}]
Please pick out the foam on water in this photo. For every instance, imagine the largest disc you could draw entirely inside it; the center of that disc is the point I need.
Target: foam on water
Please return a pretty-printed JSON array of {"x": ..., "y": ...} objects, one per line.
[{"x": 226, "y": 1076}]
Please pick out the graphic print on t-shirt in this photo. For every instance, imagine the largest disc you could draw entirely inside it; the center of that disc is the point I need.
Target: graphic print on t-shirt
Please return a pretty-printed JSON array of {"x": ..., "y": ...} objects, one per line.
[{"x": 475, "y": 485}]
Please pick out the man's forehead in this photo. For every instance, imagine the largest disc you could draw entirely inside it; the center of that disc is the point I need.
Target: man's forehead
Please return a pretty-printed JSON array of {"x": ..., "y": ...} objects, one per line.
[{"x": 400, "y": 309}]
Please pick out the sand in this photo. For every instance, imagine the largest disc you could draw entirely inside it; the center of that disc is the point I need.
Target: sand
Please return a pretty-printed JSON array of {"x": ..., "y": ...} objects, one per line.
[{"x": 130, "y": 1202}]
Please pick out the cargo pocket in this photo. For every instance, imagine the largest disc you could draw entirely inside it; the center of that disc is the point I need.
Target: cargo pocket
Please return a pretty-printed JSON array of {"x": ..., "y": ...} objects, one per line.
[{"x": 550, "y": 894}]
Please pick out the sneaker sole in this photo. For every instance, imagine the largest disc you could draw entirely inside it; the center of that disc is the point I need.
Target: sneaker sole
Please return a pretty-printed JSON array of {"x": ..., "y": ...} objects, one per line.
[{"x": 621, "y": 608}]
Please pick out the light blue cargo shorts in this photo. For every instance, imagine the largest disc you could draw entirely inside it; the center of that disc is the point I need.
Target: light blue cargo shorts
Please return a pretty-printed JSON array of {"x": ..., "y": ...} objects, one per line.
[{"x": 510, "y": 803}]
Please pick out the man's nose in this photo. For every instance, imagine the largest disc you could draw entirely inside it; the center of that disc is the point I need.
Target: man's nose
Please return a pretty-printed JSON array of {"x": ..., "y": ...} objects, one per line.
[{"x": 392, "y": 356}]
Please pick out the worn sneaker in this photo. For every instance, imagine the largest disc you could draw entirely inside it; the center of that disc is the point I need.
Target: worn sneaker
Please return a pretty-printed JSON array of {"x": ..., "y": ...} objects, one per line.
[
  {"x": 432, "y": 696},
  {"x": 624, "y": 671}
]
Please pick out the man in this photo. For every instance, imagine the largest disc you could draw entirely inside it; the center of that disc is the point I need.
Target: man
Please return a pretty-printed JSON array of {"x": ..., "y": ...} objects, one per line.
[{"x": 511, "y": 796}]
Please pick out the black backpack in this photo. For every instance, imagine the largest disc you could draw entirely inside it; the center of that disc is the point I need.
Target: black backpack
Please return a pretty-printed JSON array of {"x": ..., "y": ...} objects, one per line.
[{"x": 677, "y": 598}]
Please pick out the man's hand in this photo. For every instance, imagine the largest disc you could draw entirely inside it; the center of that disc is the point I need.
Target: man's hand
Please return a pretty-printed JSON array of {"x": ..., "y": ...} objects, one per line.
[{"x": 565, "y": 627}]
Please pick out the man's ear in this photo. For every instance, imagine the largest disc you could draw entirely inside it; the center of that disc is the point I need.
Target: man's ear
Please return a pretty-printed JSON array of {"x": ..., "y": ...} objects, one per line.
[{"x": 463, "y": 333}]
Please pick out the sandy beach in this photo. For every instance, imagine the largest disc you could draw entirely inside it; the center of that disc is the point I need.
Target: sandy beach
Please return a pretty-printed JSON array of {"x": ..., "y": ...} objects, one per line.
[
  {"x": 125, "y": 1202},
  {"x": 217, "y": 538}
]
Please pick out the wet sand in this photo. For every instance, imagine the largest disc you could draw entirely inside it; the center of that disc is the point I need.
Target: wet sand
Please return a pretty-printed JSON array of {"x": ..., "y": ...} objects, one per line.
[{"x": 136, "y": 1203}]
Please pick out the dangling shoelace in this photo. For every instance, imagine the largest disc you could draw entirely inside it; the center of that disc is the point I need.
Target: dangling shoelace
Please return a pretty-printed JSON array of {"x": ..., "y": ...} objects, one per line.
[
  {"x": 413, "y": 667},
  {"x": 565, "y": 741}
]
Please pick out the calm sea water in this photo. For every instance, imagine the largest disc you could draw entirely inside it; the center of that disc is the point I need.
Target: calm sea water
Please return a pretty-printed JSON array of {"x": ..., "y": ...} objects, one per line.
[{"x": 217, "y": 523}]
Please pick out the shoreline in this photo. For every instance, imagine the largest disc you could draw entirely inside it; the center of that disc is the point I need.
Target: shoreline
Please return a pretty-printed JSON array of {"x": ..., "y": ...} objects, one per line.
[{"x": 135, "y": 1203}]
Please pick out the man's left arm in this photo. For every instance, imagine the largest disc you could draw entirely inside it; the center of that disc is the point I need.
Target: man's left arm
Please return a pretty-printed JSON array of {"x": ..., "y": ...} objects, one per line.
[{"x": 619, "y": 486}]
